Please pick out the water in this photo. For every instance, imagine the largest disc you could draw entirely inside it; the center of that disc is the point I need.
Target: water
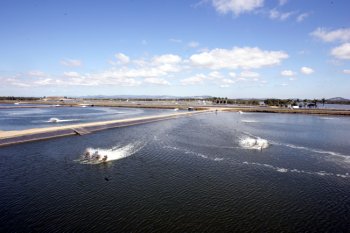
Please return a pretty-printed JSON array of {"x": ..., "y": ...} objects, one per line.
[
  {"x": 335, "y": 106},
  {"x": 26, "y": 118},
  {"x": 229, "y": 172}
]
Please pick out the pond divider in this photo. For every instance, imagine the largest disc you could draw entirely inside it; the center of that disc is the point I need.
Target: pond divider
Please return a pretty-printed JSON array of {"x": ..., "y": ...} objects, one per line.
[{"x": 28, "y": 135}]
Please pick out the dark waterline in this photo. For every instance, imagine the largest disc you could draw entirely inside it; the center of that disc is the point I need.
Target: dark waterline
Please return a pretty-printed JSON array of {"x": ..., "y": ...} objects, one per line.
[{"x": 191, "y": 174}]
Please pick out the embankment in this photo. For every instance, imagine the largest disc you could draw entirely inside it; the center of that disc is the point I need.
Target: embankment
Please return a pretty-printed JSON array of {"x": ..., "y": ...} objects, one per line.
[{"x": 28, "y": 135}]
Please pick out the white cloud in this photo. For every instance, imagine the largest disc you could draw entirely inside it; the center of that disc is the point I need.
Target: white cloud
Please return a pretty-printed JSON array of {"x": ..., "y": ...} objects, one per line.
[
  {"x": 274, "y": 14},
  {"x": 37, "y": 73},
  {"x": 44, "y": 82},
  {"x": 245, "y": 58},
  {"x": 13, "y": 82},
  {"x": 232, "y": 74},
  {"x": 122, "y": 58},
  {"x": 196, "y": 79},
  {"x": 193, "y": 44},
  {"x": 174, "y": 40},
  {"x": 284, "y": 84},
  {"x": 342, "y": 51},
  {"x": 228, "y": 81},
  {"x": 306, "y": 70},
  {"x": 224, "y": 85},
  {"x": 346, "y": 71},
  {"x": 249, "y": 74},
  {"x": 342, "y": 35},
  {"x": 282, "y": 2},
  {"x": 287, "y": 73},
  {"x": 204, "y": 49},
  {"x": 157, "y": 70},
  {"x": 147, "y": 72},
  {"x": 114, "y": 77},
  {"x": 215, "y": 75},
  {"x": 167, "y": 63},
  {"x": 167, "y": 59},
  {"x": 71, "y": 74},
  {"x": 302, "y": 17},
  {"x": 18, "y": 84},
  {"x": 157, "y": 81},
  {"x": 71, "y": 62},
  {"x": 237, "y": 7}
]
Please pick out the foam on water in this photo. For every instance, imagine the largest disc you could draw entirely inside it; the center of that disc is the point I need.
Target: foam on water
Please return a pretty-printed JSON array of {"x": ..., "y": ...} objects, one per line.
[
  {"x": 190, "y": 152},
  {"x": 327, "y": 118},
  {"x": 345, "y": 158},
  {"x": 253, "y": 143},
  {"x": 112, "y": 154},
  {"x": 57, "y": 120},
  {"x": 286, "y": 170},
  {"x": 249, "y": 121}
]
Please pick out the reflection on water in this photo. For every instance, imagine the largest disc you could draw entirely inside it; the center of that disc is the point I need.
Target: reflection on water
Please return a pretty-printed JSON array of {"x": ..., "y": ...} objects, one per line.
[{"x": 193, "y": 174}]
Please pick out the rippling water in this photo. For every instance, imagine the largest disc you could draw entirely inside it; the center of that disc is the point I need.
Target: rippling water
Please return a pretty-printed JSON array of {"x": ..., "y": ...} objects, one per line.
[
  {"x": 26, "y": 118},
  {"x": 207, "y": 173}
]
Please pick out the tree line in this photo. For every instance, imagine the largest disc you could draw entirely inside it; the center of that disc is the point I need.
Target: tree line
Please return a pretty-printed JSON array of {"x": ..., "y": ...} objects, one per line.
[
  {"x": 19, "y": 98},
  {"x": 294, "y": 102}
]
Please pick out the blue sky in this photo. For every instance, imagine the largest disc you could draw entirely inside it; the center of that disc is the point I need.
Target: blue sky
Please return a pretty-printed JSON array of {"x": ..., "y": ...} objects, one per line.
[{"x": 227, "y": 48}]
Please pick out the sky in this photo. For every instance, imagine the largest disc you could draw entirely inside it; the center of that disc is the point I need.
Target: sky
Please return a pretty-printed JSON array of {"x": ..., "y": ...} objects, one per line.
[{"x": 224, "y": 48}]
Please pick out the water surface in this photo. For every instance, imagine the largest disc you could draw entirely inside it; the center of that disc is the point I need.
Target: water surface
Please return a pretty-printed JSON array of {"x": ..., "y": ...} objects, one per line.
[
  {"x": 191, "y": 174},
  {"x": 26, "y": 118}
]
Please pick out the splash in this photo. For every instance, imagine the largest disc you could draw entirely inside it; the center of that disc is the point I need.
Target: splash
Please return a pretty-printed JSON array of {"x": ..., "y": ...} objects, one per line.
[
  {"x": 57, "y": 120},
  {"x": 253, "y": 143},
  {"x": 98, "y": 155},
  {"x": 249, "y": 121},
  {"x": 327, "y": 118}
]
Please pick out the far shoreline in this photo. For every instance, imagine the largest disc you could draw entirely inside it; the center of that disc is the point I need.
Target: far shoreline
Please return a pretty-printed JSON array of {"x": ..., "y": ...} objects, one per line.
[
  {"x": 169, "y": 105},
  {"x": 183, "y": 106}
]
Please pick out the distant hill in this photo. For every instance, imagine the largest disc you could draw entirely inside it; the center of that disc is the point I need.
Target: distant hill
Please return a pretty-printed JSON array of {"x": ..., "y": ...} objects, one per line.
[{"x": 338, "y": 99}]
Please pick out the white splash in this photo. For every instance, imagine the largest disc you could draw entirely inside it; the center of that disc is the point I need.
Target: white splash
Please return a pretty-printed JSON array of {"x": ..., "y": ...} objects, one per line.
[
  {"x": 57, "y": 120},
  {"x": 253, "y": 143},
  {"x": 98, "y": 155},
  {"x": 218, "y": 159},
  {"x": 283, "y": 170},
  {"x": 249, "y": 121},
  {"x": 327, "y": 118}
]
